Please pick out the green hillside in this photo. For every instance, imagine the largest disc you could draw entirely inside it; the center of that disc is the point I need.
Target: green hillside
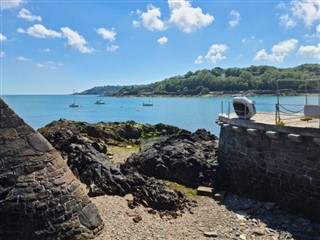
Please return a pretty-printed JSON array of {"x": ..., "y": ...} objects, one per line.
[
  {"x": 259, "y": 79},
  {"x": 102, "y": 91}
]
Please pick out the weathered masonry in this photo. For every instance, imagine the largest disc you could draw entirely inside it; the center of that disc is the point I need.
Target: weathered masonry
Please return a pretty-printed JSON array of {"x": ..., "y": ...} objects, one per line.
[
  {"x": 40, "y": 198},
  {"x": 272, "y": 163}
]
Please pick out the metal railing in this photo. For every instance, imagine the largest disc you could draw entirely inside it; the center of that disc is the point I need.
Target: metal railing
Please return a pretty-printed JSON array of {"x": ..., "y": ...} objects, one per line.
[{"x": 282, "y": 114}]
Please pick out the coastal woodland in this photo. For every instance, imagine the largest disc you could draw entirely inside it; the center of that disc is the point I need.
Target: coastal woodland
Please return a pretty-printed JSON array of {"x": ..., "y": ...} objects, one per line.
[{"x": 255, "y": 79}]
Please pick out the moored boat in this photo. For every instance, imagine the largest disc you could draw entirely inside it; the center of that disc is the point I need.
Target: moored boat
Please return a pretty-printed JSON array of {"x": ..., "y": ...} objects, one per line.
[
  {"x": 74, "y": 105},
  {"x": 100, "y": 101},
  {"x": 147, "y": 104}
]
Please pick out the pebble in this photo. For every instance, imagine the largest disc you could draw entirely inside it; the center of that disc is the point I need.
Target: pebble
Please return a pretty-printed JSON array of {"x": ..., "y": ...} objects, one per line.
[
  {"x": 137, "y": 218},
  {"x": 210, "y": 234},
  {"x": 243, "y": 237},
  {"x": 241, "y": 215}
]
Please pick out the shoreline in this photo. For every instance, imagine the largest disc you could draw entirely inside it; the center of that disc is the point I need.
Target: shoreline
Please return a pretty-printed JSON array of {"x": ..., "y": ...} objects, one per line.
[
  {"x": 239, "y": 94},
  {"x": 248, "y": 94}
]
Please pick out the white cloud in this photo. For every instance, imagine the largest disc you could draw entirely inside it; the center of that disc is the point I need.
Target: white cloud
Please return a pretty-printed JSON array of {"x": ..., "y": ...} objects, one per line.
[
  {"x": 107, "y": 34},
  {"x": 235, "y": 18},
  {"x": 45, "y": 50},
  {"x": 10, "y": 4},
  {"x": 287, "y": 21},
  {"x": 76, "y": 41},
  {"x": 2, "y": 37},
  {"x": 199, "y": 60},
  {"x": 305, "y": 10},
  {"x": 162, "y": 40},
  {"x": 112, "y": 48},
  {"x": 23, "y": 59},
  {"x": 40, "y": 31},
  {"x": 281, "y": 5},
  {"x": 279, "y": 51},
  {"x": 136, "y": 23},
  {"x": 262, "y": 54},
  {"x": 285, "y": 47},
  {"x": 214, "y": 54},
  {"x": 26, "y": 14},
  {"x": 186, "y": 17},
  {"x": 182, "y": 15},
  {"x": 151, "y": 19},
  {"x": 50, "y": 65},
  {"x": 251, "y": 39},
  {"x": 39, "y": 65},
  {"x": 2, "y": 54},
  {"x": 310, "y": 51},
  {"x": 315, "y": 34}
]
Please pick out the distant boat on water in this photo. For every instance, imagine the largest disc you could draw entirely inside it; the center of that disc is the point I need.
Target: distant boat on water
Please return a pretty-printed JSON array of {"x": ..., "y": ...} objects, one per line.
[
  {"x": 99, "y": 102},
  {"x": 74, "y": 105},
  {"x": 148, "y": 103}
]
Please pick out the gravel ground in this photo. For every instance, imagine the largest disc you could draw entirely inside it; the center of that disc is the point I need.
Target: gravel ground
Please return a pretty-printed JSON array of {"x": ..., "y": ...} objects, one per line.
[{"x": 208, "y": 220}]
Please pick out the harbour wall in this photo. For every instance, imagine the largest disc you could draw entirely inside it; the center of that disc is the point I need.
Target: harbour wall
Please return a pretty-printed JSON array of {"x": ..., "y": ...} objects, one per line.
[{"x": 272, "y": 163}]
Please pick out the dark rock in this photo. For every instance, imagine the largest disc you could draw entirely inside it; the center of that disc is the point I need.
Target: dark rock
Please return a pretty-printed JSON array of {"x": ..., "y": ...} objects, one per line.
[
  {"x": 88, "y": 161},
  {"x": 137, "y": 218},
  {"x": 88, "y": 218},
  {"x": 158, "y": 196},
  {"x": 185, "y": 159},
  {"x": 115, "y": 133}
]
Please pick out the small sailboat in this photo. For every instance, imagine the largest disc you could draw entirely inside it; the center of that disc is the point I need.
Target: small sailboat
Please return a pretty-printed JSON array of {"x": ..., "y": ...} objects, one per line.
[
  {"x": 148, "y": 103},
  {"x": 74, "y": 105},
  {"x": 100, "y": 101}
]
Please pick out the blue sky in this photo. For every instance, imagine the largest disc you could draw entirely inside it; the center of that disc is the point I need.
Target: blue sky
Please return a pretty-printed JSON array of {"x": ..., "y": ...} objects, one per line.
[{"x": 53, "y": 47}]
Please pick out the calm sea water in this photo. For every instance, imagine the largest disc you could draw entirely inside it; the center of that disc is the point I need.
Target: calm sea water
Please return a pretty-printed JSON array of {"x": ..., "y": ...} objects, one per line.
[{"x": 187, "y": 113}]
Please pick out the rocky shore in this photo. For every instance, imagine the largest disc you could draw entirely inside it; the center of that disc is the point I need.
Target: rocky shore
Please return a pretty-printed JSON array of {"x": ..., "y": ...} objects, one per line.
[
  {"x": 135, "y": 204},
  {"x": 85, "y": 151}
]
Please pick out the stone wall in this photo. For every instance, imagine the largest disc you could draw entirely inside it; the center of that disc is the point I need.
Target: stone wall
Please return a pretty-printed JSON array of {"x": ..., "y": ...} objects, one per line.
[
  {"x": 39, "y": 196},
  {"x": 272, "y": 163}
]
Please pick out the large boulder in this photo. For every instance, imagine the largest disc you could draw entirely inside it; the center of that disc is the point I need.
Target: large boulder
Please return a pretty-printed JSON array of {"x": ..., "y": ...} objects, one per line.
[
  {"x": 40, "y": 198},
  {"x": 185, "y": 158},
  {"x": 157, "y": 195}
]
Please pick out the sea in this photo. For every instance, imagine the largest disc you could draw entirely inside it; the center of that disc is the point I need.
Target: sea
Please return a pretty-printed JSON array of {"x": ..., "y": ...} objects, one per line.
[{"x": 190, "y": 113}]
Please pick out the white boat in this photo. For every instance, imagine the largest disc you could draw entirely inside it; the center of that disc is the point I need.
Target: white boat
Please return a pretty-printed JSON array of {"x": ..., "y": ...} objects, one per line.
[
  {"x": 243, "y": 107},
  {"x": 100, "y": 101},
  {"x": 74, "y": 105},
  {"x": 147, "y": 104}
]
